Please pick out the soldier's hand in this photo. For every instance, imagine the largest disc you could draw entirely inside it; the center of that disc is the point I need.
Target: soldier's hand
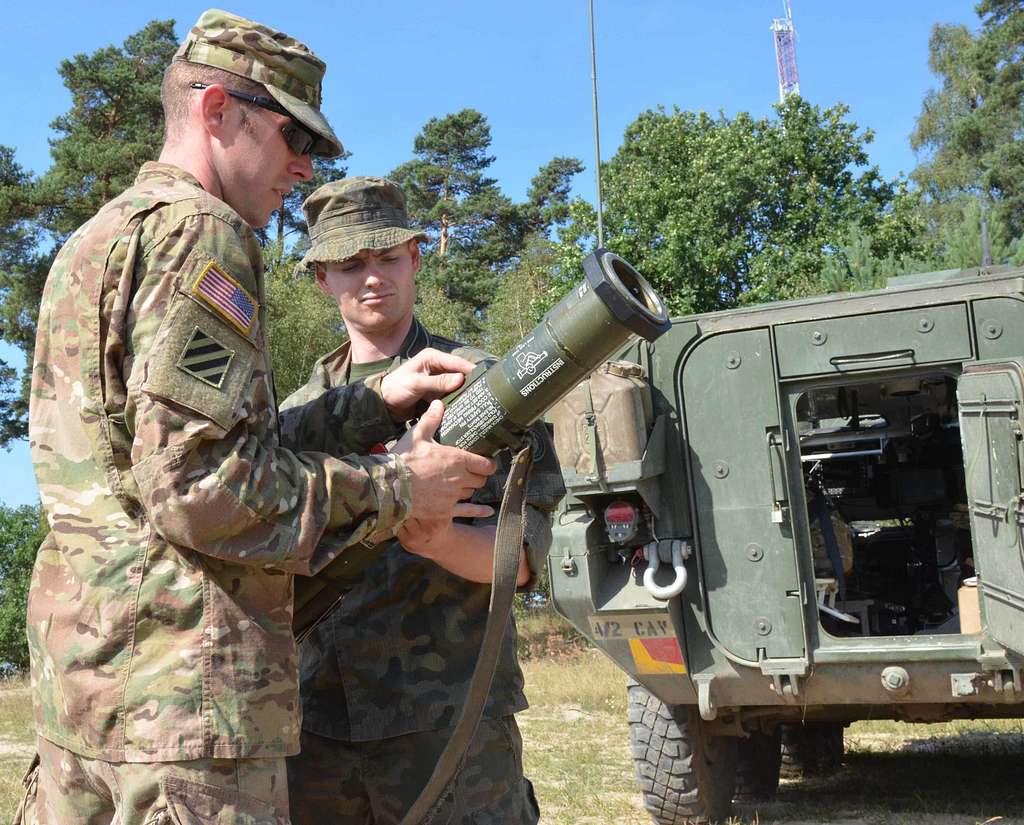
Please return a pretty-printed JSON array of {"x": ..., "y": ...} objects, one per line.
[
  {"x": 428, "y": 375},
  {"x": 426, "y": 536},
  {"x": 441, "y": 476}
]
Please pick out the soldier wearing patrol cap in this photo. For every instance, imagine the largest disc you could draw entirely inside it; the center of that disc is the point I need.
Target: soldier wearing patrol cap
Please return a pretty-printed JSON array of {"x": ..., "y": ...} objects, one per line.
[
  {"x": 384, "y": 677},
  {"x": 159, "y": 621}
]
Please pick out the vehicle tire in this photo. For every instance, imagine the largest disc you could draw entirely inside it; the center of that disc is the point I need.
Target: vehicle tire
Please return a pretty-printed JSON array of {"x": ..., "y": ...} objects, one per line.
[
  {"x": 811, "y": 749},
  {"x": 686, "y": 775},
  {"x": 758, "y": 760}
]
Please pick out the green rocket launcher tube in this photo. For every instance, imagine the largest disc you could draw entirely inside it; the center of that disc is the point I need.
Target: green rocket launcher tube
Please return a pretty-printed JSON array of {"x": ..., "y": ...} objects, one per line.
[{"x": 497, "y": 404}]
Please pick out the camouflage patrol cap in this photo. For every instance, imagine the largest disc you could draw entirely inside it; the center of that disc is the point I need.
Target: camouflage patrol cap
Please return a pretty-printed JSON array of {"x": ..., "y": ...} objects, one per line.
[
  {"x": 352, "y": 214},
  {"x": 291, "y": 72}
]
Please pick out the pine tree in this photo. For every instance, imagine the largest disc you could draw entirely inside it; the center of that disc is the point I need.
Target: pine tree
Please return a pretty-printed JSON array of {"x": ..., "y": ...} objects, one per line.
[
  {"x": 477, "y": 234},
  {"x": 113, "y": 126},
  {"x": 462, "y": 210},
  {"x": 970, "y": 133},
  {"x": 961, "y": 242},
  {"x": 22, "y": 270}
]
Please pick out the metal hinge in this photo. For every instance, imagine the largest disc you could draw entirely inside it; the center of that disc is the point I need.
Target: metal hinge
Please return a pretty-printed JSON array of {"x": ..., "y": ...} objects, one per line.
[
  {"x": 990, "y": 509},
  {"x": 785, "y": 674}
]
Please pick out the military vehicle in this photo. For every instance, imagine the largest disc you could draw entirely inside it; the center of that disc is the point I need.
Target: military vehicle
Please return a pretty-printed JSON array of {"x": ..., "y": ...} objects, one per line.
[{"x": 788, "y": 517}]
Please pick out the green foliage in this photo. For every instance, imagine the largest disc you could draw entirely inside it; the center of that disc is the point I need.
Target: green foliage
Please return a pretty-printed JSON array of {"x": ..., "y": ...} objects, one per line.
[
  {"x": 547, "y": 201},
  {"x": 719, "y": 211},
  {"x": 476, "y": 233},
  {"x": 575, "y": 240},
  {"x": 463, "y": 211},
  {"x": 971, "y": 129},
  {"x": 855, "y": 266},
  {"x": 303, "y": 323},
  {"x": 961, "y": 242},
  {"x": 444, "y": 316},
  {"x": 22, "y": 530},
  {"x": 523, "y": 296},
  {"x": 21, "y": 276},
  {"x": 112, "y": 127}
]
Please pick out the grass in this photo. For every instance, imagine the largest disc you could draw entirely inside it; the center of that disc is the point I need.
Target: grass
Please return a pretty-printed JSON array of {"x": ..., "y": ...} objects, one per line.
[
  {"x": 577, "y": 754},
  {"x": 17, "y": 738},
  {"x": 545, "y": 634},
  {"x": 576, "y": 750}
]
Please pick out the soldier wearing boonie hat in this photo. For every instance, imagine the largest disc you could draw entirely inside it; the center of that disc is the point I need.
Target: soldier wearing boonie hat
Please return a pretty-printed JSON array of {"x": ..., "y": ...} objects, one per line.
[
  {"x": 373, "y": 725},
  {"x": 352, "y": 214},
  {"x": 160, "y": 612}
]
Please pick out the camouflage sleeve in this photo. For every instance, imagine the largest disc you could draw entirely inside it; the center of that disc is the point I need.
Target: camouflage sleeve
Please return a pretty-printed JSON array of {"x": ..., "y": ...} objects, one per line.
[
  {"x": 205, "y": 454},
  {"x": 337, "y": 421}
]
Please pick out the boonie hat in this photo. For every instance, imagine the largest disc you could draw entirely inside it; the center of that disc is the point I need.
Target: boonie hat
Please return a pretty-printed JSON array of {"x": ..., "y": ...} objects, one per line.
[
  {"x": 352, "y": 214},
  {"x": 291, "y": 72}
]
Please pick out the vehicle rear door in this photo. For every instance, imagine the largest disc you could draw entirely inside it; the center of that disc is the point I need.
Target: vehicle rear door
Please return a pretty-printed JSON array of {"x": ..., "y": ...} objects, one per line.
[
  {"x": 990, "y": 396},
  {"x": 729, "y": 394}
]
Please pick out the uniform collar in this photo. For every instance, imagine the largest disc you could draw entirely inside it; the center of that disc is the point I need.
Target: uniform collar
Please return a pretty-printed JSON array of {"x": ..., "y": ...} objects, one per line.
[
  {"x": 416, "y": 338},
  {"x": 168, "y": 172},
  {"x": 333, "y": 367}
]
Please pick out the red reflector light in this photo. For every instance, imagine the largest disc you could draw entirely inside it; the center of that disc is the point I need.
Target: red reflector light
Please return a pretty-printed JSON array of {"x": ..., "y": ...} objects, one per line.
[
  {"x": 619, "y": 511},
  {"x": 620, "y": 519}
]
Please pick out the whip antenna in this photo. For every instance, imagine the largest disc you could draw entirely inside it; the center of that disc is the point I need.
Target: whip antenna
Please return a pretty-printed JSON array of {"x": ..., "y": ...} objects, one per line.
[{"x": 597, "y": 137}]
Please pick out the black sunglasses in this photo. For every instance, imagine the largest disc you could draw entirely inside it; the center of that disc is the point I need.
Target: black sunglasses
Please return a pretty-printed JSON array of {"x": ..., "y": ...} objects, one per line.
[{"x": 299, "y": 139}]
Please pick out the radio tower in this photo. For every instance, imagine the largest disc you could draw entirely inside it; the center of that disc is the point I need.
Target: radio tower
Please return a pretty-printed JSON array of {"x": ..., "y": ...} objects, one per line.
[{"x": 785, "y": 54}]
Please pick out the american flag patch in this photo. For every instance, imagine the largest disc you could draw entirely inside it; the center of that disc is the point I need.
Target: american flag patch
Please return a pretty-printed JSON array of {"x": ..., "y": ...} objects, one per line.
[{"x": 226, "y": 296}]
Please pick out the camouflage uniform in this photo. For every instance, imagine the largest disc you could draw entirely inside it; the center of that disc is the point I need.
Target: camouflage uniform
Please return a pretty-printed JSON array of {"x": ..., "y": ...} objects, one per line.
[
  {"x": 159, "y": 618},
  {"x": 384, "y": 677}
]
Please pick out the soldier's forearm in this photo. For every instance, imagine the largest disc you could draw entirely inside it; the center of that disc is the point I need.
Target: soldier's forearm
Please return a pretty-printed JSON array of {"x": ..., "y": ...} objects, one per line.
[
  {"x": 234, "y": 499},
  {"x": 464, "y": 550}
]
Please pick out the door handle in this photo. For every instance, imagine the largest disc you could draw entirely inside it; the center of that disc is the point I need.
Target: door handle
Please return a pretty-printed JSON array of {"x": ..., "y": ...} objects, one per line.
[{"x": 892, "y": 355}]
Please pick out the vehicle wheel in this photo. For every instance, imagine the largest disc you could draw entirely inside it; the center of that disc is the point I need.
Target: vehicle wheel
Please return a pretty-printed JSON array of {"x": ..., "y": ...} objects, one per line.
[
  {"x": 758, "y": 759},
  {"x": 811, "y": 749},
  {"x": 686, "y": 775}
]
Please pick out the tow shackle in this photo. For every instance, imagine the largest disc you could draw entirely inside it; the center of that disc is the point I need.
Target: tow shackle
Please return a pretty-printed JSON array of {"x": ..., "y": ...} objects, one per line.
[{"x": 680, "y": 552}]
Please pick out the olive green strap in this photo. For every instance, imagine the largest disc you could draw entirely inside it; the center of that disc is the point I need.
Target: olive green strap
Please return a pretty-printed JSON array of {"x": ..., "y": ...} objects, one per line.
[{"x": 508, "y": 548}]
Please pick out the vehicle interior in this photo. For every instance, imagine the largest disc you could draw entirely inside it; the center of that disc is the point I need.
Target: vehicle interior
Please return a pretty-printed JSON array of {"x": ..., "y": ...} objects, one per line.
[{"x": 887, "y": 508}]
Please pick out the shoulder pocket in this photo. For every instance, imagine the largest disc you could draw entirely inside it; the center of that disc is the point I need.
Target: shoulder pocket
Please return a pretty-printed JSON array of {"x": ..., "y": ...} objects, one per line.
[{"x": 200, "y": 362}]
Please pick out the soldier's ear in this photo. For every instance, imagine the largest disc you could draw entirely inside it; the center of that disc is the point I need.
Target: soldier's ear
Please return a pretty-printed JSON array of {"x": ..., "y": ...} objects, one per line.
[
  {"x": 321, "y": 277},
  {"x": 414, "y": 254},
  {"x": 212, "y": 109}
]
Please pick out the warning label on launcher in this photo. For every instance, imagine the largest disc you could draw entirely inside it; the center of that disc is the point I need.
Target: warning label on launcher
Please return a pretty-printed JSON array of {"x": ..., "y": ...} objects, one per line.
[
  {"x": 471, "y": 416},
  {"x": 532, "y": 362}
]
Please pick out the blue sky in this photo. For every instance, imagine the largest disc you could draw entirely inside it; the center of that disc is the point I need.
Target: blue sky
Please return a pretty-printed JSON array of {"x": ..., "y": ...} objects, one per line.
[{"x": 525, "y": 65}]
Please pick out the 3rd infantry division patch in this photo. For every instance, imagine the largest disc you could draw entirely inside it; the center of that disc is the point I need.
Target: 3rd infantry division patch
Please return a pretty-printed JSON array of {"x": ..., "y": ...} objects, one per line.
[{"x": 205, "y": 358}]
